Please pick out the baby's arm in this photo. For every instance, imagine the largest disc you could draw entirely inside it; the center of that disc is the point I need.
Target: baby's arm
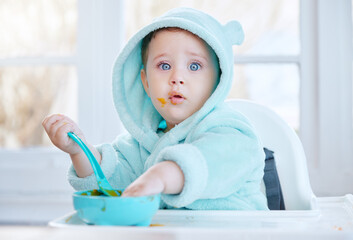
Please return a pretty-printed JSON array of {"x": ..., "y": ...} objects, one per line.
[
  {"x": 57, "y": 126},
  {"x": 165, "y": 177}
]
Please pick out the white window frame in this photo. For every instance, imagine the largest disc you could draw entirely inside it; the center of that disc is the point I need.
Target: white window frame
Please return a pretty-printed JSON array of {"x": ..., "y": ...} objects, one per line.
[
  {"x": 100, "y": 38},
  {"x": 326, "y": 94}
]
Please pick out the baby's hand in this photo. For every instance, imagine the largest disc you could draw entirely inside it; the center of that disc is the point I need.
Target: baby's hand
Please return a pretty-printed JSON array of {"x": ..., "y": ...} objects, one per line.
[
  {"x": 57, "y": 126},
  {"x": 147, "y": 184},
  {"x": 165, "y": 177}
]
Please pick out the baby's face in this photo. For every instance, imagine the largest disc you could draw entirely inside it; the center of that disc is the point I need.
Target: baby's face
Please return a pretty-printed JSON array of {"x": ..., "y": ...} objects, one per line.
[{"x": 181, "y": 74}]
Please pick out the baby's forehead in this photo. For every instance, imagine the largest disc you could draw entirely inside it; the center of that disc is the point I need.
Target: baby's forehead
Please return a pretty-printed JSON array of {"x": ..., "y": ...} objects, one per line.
[
  {"x": 176, "y": 30},
  {"x": 173, "y": 30}
]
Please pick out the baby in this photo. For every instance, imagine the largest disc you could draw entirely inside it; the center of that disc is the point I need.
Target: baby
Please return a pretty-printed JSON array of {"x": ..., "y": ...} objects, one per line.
[{"x": 169, "y": 86}]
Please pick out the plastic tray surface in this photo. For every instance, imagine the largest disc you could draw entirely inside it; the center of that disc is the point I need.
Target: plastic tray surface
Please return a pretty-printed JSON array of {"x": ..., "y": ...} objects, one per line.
[{"x": 333, "y": 214}]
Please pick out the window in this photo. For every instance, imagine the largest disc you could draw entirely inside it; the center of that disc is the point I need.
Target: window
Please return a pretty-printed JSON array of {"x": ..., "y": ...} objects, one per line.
[
  {"x": 58, "y": 56},
  {"x": 38, "y": 75}
]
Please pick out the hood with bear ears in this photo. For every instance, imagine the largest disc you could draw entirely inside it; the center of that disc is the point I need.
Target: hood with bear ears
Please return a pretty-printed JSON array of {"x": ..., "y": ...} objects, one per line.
[{"x": 135, "y": 108}]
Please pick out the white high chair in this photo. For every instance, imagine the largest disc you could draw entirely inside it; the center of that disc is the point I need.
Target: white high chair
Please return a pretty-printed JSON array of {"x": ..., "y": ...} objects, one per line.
[
  {"x": 279, "y": 137},
  {"x": 306, "y": 217}
]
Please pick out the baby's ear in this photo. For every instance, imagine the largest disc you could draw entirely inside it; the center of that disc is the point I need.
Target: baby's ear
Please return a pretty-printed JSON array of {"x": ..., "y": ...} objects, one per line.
[
  {"x": 234, "y": 32},
  {"x": 144, "y": 81}
]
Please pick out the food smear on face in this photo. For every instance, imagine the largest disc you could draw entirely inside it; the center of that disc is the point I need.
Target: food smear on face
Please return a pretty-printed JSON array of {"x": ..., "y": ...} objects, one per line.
[{"x": 162, "y": 100}]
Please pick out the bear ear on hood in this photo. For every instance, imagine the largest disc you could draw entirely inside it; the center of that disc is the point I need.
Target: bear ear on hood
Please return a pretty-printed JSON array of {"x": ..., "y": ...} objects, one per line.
[{"x": 234, "y": 32}]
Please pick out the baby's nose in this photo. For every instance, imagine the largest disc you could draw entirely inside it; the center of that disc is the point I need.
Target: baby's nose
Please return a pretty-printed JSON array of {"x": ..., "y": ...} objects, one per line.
[
  {"x": 176, "y": 77},
  {"x": 173, "y": 82}
]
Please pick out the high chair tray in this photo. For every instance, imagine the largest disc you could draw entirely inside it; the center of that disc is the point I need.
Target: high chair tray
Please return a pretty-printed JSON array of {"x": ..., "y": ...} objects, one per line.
[{"x": 332, "y": 214}]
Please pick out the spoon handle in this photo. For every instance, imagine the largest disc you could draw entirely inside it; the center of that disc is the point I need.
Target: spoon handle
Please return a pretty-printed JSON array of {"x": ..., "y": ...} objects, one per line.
[
  {"x": 101, "y": 180},
  {"x": 95, "y": 165}
]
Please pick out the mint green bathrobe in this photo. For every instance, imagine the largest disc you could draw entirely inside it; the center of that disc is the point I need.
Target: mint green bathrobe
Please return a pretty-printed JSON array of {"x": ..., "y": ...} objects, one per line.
[{"x": 217, "y": 149}]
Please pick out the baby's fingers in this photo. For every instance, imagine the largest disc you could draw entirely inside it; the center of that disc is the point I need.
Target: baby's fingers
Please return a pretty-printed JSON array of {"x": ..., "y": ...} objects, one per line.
[
  {"x": 53, "y": 122},
  {"x": 53, "y": 130},
  {"x": 147, "y": 184},
  {"x": 50, "y": 120},
  {"x": 135, "y": 191},
  {"x": 61, "y": 139}
]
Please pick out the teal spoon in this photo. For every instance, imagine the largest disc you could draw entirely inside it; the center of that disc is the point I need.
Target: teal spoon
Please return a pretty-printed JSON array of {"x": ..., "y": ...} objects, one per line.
[{"x": 103, "y": 183}]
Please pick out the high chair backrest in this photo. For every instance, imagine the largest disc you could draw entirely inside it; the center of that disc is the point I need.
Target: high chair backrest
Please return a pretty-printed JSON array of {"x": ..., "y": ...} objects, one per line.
[{"x": 279, "y": 137}]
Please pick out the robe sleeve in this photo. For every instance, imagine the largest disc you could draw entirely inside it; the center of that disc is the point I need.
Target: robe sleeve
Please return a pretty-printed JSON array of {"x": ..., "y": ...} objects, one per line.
[
  {"x": 220, "y": 159},
  {"x": 121, "y": 164}
]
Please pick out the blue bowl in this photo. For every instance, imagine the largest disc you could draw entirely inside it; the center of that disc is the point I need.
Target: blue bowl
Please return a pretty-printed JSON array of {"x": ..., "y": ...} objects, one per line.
[{"x": 94, "y": 208}]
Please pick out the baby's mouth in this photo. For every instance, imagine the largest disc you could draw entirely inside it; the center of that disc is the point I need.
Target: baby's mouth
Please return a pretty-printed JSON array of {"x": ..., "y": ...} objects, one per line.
[{"x": 176, "y": 98}]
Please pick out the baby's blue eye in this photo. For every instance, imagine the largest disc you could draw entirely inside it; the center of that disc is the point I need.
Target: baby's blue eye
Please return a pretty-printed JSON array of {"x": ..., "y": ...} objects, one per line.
[
  {"x": 194, "y": 66},
  {"x": 164, "y": 66}
]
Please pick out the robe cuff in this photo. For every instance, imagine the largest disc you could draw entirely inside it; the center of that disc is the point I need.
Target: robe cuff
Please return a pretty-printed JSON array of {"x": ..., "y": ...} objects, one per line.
[
  {"x": 108, "y": 164},
  {"x": 195, "y": 171}
]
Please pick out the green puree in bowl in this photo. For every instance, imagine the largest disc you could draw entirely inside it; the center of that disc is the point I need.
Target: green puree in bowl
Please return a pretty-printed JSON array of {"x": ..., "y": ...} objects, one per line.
[{"x": 96, "y": 192}]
